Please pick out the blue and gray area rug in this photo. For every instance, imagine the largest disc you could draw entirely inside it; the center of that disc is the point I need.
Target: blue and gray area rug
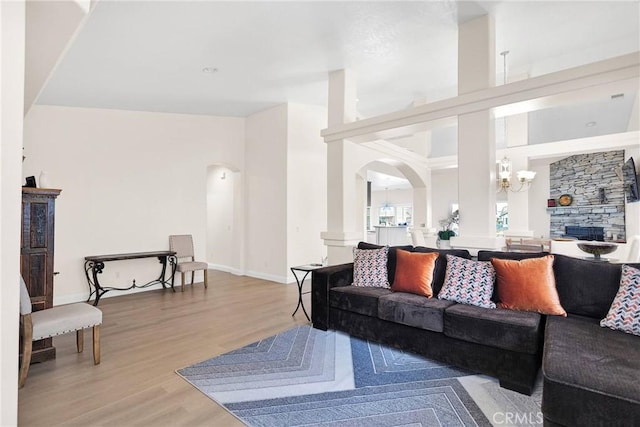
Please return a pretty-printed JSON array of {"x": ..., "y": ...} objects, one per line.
[{"x": 304, "y": 376}]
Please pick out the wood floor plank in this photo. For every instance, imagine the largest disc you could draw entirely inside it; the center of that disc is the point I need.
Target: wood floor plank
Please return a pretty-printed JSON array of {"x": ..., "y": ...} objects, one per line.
[{"x": 145, "y": 337}]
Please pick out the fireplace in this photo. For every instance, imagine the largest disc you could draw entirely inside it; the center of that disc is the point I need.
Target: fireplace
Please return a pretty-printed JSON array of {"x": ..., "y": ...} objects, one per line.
[{"x": 584, "y": 233}]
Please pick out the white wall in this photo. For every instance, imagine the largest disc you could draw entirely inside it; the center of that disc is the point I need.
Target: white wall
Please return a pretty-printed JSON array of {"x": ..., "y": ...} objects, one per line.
[
  {"x": 539, "y": 218},
  {"x": 445, "y": 193},
  {"x": 128, "y": 180},
  {"x": 266, "y": 192},
  {"x": 225, "y": 219},
  {"x": 12, "y": 28},
  {"x": 306, "y": 184}
]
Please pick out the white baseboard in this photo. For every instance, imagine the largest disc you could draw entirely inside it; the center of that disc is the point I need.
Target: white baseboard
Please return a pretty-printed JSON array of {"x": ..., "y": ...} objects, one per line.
[
  {"x": 270, "y": 277},
  {"x": 226, "y": 269},
  {"x": 82, "y": 297},
  {"x": 251, "y": 273}
]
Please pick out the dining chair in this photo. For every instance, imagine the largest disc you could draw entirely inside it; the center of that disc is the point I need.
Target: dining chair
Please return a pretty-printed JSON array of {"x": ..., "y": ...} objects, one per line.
[
  {"x": 633, "y": 254},
  {"x": 182, "y": 245},
  {"x": 54, "y": 321},
  {"x": 521, "y": 246},
  {"x": 417, "y": 238}
]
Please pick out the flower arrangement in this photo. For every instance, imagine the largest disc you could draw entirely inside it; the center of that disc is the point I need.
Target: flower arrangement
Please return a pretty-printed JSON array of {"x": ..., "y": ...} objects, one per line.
[{"x": 447, "y": 232}]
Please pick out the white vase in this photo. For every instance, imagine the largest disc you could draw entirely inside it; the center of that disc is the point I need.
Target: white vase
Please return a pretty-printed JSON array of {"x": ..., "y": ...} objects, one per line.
[
  {"x": 44, "y": 180},
  {"x": 443, "y": 244}
]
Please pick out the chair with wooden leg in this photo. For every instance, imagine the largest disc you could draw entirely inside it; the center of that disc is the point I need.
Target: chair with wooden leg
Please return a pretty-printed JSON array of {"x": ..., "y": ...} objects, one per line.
[
  {"x": 55, "y": 321},
  {"x": 182, "y": 245}
]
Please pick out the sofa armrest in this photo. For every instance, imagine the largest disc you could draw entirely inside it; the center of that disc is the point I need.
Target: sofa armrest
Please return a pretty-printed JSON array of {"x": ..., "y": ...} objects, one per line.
[{"x": 322, "y": 280}]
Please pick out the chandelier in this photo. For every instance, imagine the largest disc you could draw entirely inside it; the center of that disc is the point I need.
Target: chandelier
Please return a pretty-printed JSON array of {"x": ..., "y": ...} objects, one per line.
[
  {"x": 525, "y": 177},
  {"x": 504, "y": 176}
]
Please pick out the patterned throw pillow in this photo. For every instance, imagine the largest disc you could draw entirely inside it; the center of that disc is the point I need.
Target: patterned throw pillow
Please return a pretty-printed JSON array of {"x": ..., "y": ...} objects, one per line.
[
  {"x": 624, "y": 314},
  {"x": 370, "y": 267},
  {"x": 468, "y": 282}
]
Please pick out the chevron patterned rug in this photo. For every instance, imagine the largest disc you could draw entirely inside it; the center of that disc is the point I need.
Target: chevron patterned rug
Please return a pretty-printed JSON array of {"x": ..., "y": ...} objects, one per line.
[{"x": 305, "y": 376}]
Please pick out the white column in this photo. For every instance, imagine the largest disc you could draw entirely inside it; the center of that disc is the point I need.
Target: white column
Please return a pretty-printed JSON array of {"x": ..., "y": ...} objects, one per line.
[
  {"x": 422, "y": 196},
  {"x": 517, "y": 135},
  {"x": 12, "y": 52},
  {"x": 476, "y": 142},
  {"x": 343, "y": 231},
  {"x": 342, "y": 97},
  {"x": 422, "y": 205},
  {"x": 361, "y": 204}
]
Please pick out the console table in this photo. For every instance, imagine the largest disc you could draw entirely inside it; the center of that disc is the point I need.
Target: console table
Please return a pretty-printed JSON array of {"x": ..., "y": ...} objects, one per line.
[{"x": 93, "y": 266}]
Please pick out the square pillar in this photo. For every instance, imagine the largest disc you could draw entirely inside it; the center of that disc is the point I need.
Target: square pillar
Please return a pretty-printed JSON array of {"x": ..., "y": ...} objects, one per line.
[
  {"x": 344, "y": 228},
  {"x": 476, "y": 141}
]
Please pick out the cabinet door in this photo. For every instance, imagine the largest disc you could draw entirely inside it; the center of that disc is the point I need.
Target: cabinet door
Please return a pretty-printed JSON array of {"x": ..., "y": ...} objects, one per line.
[{"x": 36, "y": 258}]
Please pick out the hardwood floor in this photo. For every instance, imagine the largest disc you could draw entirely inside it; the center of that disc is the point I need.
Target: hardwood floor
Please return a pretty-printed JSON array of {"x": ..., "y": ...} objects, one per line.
[{"x": 145, "y": 337}]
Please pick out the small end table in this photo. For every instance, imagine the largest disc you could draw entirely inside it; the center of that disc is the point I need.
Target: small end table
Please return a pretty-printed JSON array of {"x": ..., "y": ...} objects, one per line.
[{"x": 306, "y": 269}]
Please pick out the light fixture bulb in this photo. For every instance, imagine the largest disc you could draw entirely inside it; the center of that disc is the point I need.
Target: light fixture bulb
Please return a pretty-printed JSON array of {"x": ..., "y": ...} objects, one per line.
[
  {"x": 526, "y": 176},
  {"x": 505, "y": 169}
]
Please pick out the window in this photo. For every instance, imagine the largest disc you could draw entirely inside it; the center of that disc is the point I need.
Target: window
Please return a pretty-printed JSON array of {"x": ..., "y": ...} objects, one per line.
[{"x": 502, "y": 217}]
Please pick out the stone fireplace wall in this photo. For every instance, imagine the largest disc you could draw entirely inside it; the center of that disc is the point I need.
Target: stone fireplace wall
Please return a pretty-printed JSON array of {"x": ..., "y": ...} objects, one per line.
[{"x": 585, "y": 177}]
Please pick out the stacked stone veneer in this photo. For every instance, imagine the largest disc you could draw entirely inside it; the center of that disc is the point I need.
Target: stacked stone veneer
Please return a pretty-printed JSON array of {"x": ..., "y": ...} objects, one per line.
[{"x": 582, "y": 176}]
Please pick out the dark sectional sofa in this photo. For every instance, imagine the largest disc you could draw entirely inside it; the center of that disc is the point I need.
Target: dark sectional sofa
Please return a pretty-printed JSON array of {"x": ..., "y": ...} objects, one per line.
[{"x": 591, "y": 374}]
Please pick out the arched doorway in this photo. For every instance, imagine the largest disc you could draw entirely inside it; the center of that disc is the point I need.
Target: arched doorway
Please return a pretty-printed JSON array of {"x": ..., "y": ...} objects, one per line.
[
  {"x": 395, "y": 202},
  {"x": 225, "y": 218}
]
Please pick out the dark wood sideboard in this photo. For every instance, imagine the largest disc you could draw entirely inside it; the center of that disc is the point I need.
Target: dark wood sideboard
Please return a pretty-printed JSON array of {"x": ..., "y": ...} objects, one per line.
[{"x": 36, "y": 256}]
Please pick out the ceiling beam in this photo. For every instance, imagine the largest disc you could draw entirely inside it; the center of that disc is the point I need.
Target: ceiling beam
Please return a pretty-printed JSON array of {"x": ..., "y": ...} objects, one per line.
[
  {"x": 623, "y": 70},
  {"x": 592, "y": 144}
]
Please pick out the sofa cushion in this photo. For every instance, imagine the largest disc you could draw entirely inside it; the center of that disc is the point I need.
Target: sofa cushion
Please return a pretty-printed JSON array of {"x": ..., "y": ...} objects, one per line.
[
  {"x": 357, "y": 299},
  {"x": 370, "y": 267},
  {"x": 590, "y": 373},
  {"x": 528, "y": 285},
  {"x": 468, "y": 282},
  {"x": 414, "y": 273},
  {"x": 441, "y": 263},
  {"x": 487, "y": 255},
  {"x": 585, "y": 287},
  {"x": 624, "y": 314},
  {"x": 391, "y": 257},
  {"x": 413, "y": 310},
  {"x": 519, "y": 331}
]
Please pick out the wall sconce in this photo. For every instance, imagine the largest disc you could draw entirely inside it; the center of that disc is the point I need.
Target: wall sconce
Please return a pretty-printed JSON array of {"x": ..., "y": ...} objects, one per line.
[
  {"x": 223, "y": 176},
  {"x": 525, "y": 178}
]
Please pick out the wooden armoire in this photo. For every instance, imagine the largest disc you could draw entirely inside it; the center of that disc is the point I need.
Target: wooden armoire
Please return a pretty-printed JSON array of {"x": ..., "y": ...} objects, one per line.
[{"x": 36, "y": 256}]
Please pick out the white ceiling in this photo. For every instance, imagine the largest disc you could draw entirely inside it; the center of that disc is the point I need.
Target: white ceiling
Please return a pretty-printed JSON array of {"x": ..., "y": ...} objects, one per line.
[{"x": 149, "y": 55}]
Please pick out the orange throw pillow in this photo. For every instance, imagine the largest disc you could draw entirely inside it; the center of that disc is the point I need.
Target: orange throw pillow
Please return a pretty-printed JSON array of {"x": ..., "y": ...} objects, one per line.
[
  {"x": 414, "y": 272},
  {"x": 528, "y": 285}
]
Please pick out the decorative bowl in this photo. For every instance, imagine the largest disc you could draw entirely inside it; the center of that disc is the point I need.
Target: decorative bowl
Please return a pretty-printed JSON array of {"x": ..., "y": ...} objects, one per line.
[{"x": 597, "y": 248}]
